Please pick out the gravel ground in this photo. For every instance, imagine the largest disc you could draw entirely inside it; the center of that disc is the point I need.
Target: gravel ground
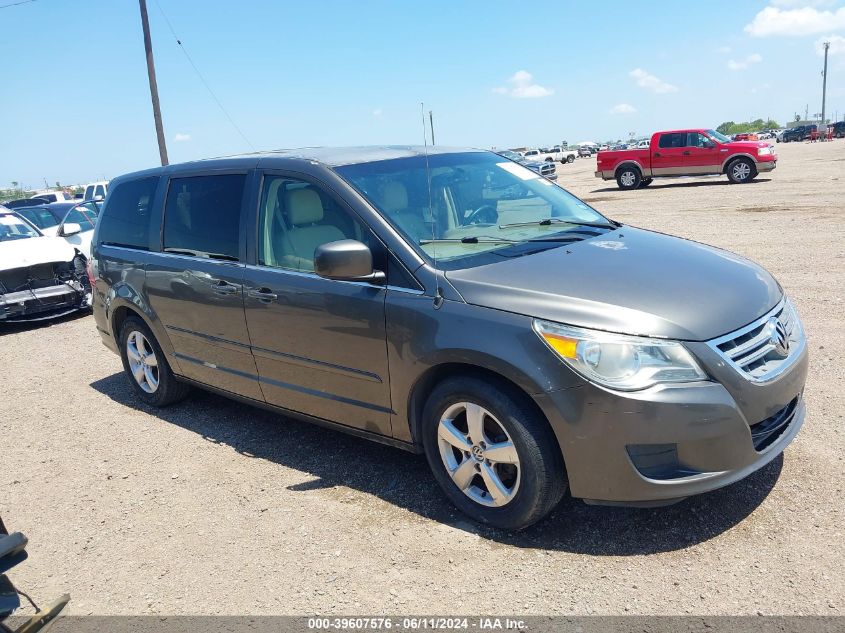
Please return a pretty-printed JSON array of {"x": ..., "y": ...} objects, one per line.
[{"x": 213, "y": 507}]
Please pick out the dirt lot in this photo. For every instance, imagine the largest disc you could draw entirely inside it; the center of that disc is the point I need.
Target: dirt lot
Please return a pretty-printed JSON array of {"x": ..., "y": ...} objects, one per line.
[{"x": 213, "y": 507}]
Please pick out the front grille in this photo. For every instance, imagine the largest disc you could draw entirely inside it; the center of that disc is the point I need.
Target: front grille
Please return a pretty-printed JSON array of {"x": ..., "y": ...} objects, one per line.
[
  {"x": 766, "y": 433},
  {"x": 547, "y": 168},
  {"x": 764, "y": 348}
]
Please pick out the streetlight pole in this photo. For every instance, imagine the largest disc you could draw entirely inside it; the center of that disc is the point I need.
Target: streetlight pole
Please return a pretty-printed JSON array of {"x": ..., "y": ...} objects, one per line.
[
  {"x": 151, "y": 73},
  {"x": 824, "y": 79}
]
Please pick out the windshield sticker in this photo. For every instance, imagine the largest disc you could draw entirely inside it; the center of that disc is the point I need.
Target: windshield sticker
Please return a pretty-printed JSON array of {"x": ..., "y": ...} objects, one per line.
[
  {"x": 518, "y": 170},
  {"x": 610, "y": 245}
]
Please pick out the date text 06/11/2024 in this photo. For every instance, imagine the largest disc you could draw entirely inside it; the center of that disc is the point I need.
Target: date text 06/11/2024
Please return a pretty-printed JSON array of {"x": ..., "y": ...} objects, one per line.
[{"x": 416, "y": 623}]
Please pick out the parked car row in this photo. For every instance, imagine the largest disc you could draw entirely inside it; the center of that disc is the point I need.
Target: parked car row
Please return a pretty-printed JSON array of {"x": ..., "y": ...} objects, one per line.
[
  {"x": 556, "y": 154},
  {"x": 545, "y": 168}
]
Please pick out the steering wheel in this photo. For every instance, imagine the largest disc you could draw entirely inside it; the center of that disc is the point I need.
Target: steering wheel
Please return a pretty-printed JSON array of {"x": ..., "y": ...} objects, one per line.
[{"x": 485, "y": 214}]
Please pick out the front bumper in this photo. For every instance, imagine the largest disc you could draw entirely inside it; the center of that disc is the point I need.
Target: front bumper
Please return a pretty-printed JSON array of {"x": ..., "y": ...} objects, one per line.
[
  {"x": 43, "y": 303},
  {"x": 768, "y": 165},
  {"x": 673, "y": 441}
]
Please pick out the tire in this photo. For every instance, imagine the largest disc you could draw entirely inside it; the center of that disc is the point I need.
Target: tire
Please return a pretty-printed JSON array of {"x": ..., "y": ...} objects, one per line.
[
  {"x": 158, "y": 386},
  {"x": 646, "y": 182},
  {"x": 741, "y": 170},
  {"x": 570, "y": 159},
  {"x": 530, "y": 478},
  {"x": 628, "y": 178}
]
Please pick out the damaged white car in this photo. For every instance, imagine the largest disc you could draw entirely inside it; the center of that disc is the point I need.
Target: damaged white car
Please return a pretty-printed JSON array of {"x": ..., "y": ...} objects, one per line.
[{"x": 41, "y": 277}]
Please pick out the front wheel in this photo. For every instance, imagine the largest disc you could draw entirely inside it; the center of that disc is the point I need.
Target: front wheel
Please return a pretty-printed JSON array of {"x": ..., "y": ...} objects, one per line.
[
  {"x": 492, "y": 453},
  {"x": 570, "y": 159},
  {"x": 741, "y": 171},
  {"x": 628, "y": 178}
]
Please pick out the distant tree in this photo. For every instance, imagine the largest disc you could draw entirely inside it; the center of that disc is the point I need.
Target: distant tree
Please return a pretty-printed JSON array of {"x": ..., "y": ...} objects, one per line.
[
  {"x": 58, "y": 185},
  {"x": 725, "y": 127},
  {"x": 771, "y": 124},
  {"x": 14, "y": 184},
  {"x": 797, "y": 118}
]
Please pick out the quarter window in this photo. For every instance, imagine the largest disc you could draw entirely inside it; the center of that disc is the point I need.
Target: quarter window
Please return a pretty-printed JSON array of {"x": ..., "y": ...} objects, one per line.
[
  {"x": 202, "y": 216},
  {"x": 126, "y": 219},
  {"x": 295, "y": 218}
]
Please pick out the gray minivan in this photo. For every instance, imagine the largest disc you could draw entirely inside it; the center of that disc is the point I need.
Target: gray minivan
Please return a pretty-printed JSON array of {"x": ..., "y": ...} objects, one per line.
[{"x": 455, "y": 303}]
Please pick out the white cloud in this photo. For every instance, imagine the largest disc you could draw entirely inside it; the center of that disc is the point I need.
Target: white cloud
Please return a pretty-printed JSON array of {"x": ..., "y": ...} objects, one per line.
[
  {"x": 837, "y": 45},
  {"x": 181, "y": 137},
  {"x": 522, "y": 87},
  {"x": 650, "y": 82},
  {"x": 795, "y": 22},
  {"x": 623, "y": 108},
  {"x": 723, "y": 49},
  {"x": 377, "y": 112},
  {"x": 742, "y": 64}
]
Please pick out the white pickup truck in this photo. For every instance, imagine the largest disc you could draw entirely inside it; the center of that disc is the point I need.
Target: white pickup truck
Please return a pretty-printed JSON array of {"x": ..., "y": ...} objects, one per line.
[{"x": 552, "y": 155}]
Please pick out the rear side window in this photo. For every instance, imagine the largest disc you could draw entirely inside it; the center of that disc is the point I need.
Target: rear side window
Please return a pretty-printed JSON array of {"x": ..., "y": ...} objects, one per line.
[
  {"x": 89, "y": 192},
  {"x": 673, "y": 140},
  {"x": 100, "y": 191},
  {"x": 77, "y": 217},
  {"x": 202, "y": 216},
  {"x": 126, "y": 218},
  {"x": 41, "y": 218}
]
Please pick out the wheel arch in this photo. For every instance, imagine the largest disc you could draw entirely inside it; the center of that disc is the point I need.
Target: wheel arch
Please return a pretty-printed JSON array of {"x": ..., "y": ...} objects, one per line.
[
  {"x": 628, "y": 163},
  {"x": 122, "y": 307},
  {"x": 436, "y": 374},
  {"x": 733, "y": 157}
]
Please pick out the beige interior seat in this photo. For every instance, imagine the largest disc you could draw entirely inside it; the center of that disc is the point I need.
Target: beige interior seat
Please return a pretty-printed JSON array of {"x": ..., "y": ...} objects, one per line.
[
  {"x": 294, "y": 245},
  {"x": 394, "y": 197}
]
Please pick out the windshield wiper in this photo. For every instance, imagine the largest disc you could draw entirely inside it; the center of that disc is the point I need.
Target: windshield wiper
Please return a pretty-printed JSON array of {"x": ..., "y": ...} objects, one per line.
[
  {"x": 550, "y": 221},
  {"x": 470, "y": 240}
]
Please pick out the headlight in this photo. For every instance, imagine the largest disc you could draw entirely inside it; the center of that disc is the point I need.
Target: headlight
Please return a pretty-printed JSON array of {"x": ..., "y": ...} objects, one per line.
[
  {"x": 764, "y": 151},
  {"x": 627, "y": 363}
]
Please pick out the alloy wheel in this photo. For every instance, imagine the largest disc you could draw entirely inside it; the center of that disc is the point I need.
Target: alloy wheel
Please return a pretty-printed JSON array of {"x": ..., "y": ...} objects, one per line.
[
  {"x": 628, "y": 178},
  {"x": 741, "y": 170},
  {"x": 478, "y": 454},
  {"x": 142, "y": 361}
]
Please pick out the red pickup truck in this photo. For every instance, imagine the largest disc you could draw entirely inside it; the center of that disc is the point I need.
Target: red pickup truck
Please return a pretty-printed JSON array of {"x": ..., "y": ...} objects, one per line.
[{"x": 686, "y": 153}]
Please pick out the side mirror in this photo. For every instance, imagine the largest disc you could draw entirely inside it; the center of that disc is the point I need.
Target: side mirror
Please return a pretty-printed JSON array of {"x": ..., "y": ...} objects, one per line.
[
  {"x": 70, "y": 228},
  {"x": 346, "y": 260},
  {"x": 709, "y": 144}
]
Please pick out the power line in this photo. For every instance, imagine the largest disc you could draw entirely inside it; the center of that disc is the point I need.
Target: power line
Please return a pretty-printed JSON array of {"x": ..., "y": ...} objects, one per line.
[
  {"x": 14, "y": 4},
  {"x": 202, "y": 79}
]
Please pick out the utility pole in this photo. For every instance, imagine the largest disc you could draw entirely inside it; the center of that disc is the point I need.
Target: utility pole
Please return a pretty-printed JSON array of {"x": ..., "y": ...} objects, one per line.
[
  {"x": 824, "y": 79},
  {"x": 151, "y": 72},
  {"x": 431, "y": 125}
]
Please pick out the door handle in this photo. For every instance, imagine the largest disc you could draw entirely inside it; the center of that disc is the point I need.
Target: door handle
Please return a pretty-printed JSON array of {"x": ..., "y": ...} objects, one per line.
[
  {"x": 223, "y": 287},
  {"x": 657, "y": 154},
  {"x": 264, "y": 295},
  {"x": 686, "y": 153}
]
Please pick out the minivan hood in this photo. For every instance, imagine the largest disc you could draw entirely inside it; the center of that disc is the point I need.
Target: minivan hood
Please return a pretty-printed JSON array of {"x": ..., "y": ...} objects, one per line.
[
  {"x": 34, "y": 250},
  {"x": 629, "y": 281}
]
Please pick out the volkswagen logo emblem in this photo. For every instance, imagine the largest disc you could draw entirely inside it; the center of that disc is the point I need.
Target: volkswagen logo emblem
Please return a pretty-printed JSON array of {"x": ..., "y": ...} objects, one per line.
[{"x": 778, "y": 338}]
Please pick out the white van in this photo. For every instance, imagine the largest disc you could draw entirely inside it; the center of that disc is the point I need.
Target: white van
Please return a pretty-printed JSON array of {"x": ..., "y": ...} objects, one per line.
[{"x": 96, "y": 190}]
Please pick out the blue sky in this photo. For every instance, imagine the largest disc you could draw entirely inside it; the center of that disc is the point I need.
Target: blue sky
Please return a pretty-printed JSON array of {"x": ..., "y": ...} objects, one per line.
[{"x": 292, "y": 74}]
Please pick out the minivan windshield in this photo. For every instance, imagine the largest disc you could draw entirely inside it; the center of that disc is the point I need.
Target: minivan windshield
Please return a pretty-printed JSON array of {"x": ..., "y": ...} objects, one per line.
[{"x": 456, "y": 206}]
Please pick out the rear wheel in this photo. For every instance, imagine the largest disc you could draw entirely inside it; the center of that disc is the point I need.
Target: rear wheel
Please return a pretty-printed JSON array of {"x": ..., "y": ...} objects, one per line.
[
  {"x": 570, "y": 159},
  {"x": 628, "y": 178},
  {"x": 146, "y": 366},
  {"x": 493, "y": 455},
  {"x": 741, "y": 170}
]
